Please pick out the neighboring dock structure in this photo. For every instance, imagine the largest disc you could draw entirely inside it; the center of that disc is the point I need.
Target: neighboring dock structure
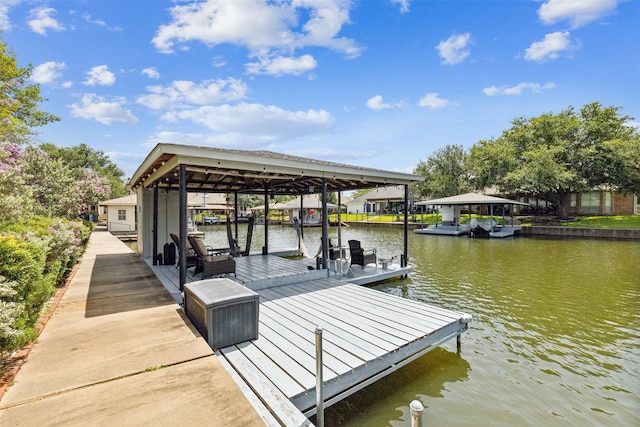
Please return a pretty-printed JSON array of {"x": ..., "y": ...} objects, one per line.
[{"x": 451, "y": 214}]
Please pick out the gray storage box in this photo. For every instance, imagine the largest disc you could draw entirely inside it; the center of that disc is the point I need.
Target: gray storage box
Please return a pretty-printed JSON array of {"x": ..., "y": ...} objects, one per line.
[{"x": 225, "y": 312}]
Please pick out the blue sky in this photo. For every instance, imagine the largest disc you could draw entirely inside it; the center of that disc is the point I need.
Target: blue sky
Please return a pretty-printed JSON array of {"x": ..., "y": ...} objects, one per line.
[{"x": 376, "y": 83}]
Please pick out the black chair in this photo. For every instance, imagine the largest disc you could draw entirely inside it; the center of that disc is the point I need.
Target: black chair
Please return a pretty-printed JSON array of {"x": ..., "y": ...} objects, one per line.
[
  {"x": 360, "y": 256},
  {"x": 192, "y": 259},
  {"x": 211, "y": 265}
]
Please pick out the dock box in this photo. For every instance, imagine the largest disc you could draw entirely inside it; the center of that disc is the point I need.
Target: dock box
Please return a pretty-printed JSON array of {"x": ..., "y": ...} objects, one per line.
[{"x": 225, "y": 312}]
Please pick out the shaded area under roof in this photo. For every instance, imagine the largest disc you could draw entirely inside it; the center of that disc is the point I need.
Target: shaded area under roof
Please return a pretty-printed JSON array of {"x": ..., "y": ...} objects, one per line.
[
  {"x": 218, "y": 170},
  {"x": 470, "y": 199}
]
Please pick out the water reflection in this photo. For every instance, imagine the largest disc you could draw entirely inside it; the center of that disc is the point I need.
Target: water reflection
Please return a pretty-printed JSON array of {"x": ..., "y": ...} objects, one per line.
[{"x": 430, "y": 374}]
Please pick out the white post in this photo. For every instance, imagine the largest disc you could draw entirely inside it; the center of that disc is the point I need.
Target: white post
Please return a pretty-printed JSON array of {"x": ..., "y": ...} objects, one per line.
[
  {"x": 319, "y": 390},
  {"x": 416, "y": 413}
]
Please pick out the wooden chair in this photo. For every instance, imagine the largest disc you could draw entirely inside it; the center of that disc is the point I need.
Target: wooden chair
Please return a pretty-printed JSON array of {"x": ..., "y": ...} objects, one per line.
[
  {"x": 192, "y": 259},
  {"x": 211, "y": 265},
  {"x": 360, "y": 256}
]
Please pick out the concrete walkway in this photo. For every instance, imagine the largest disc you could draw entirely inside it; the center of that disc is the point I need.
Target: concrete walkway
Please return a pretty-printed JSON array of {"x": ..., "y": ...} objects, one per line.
[{"x": 119, "y": 351}]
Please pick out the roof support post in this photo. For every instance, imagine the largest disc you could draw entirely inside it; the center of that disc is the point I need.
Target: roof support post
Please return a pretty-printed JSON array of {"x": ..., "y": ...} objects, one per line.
[
  {"x": 183, "y": 225},
  {"x": 325, "y": 225},
  {"x": 405, "y": 256},
  {"x": 235, "y": 212},
  {"x": 340, "y": 221},
  {"x": 265, "y": 248},
  {"x": 302, "y": 215},
  {"x": 155, "y": 225}
]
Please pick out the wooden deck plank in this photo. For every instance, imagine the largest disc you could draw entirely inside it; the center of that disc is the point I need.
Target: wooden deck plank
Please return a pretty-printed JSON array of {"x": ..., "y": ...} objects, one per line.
[
  {"x": 395, "y": 323},
  {"x": 343, "y": 350},
  {"x": 328, "y": 320},
  {"x": 277, "y": 402},
  {"x": 288, "y": 336},
  {"x": 412, "y": 317}
]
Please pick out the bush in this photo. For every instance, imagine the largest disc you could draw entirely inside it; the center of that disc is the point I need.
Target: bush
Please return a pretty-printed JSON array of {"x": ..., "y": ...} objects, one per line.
[{"x": 36, "y": 255}]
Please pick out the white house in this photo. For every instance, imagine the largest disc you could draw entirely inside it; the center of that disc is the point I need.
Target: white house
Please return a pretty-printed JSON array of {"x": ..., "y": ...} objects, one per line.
[
  {"x": 389, "y": 199},
  {"x": 121, "y": 213}
]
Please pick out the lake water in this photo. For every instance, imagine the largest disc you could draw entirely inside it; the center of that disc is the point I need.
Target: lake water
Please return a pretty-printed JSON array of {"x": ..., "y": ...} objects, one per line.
[{"x": 555, "y": 337}]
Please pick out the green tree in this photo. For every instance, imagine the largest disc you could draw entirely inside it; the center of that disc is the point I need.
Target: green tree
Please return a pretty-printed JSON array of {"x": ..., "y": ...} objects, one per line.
[
  {"x": 554, "y": 155},
  {"x": 445, "y": 173},
  {"x": 83, "y": 159},
  {"x": 19, "y": 100}
]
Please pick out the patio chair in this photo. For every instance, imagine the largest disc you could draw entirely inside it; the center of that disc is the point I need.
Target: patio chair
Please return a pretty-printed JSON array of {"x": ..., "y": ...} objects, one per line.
[
  {"x": 360, "y": 256},
  {"x": 211, "y": 265},
  {"x": 192, "y": 259}
]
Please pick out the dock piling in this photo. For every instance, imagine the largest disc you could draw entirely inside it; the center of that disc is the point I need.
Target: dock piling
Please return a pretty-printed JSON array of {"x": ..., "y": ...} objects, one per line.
[
  {"x": 319, "y": 380},
  {"x": 416, "y": 413}
]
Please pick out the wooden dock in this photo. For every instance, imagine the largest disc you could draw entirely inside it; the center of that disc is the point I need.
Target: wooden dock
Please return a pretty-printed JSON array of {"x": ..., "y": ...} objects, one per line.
[{"x": 367, "y": 334}]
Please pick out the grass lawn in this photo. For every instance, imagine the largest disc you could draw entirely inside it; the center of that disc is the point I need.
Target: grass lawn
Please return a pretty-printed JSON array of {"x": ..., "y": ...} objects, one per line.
[{"x": 612, "y": 221}]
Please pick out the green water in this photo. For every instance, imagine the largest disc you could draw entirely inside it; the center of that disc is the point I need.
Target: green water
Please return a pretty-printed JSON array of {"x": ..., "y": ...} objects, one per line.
[{"x": 555, "y": 338}]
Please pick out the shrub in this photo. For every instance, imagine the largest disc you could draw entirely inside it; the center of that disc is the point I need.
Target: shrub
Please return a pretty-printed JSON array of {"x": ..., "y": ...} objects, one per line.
[{"x": 36, "y": 255}]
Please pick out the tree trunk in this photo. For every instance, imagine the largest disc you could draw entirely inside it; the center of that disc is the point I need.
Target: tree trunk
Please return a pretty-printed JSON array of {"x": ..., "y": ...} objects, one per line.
[{"x": 563, "y": 205}]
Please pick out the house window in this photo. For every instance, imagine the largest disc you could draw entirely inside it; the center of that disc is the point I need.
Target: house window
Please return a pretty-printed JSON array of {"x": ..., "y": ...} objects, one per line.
[
  {"x": 573, "y": 203},
  {"x": 608, "y": 204},
  {"x": 122, "y": 215},
  {"x": 590, "y": 203}
]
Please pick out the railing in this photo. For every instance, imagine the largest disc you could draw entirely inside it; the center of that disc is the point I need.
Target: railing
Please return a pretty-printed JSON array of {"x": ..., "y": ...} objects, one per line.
[{"x": 125, "y": 226}]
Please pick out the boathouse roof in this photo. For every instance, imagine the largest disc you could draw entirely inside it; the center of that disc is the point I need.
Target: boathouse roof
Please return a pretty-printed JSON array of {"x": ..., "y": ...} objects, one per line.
[
  {"x": 470, "y": 199},
  {"x": 222, "y": 170}
]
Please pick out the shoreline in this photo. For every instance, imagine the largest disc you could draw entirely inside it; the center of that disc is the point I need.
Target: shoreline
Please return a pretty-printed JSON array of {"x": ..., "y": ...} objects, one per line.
[{"x": 536, "y": 230}]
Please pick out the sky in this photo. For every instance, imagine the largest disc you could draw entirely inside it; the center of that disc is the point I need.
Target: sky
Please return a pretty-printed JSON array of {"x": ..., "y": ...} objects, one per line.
[{"x": 373, "y": 83}]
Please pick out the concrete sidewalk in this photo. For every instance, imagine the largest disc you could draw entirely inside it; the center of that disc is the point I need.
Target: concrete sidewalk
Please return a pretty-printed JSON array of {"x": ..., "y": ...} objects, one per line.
[{"x": 119, "y": 351}]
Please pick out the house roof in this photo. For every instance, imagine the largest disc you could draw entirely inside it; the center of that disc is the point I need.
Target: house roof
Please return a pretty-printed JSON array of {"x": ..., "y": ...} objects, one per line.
[
  {"x": 131, "y": 199},
  {"x": 391, "y": 192},
  {"x": 221, "y": 170},
  {"x": 194, "y": 200},
  {"x": 470, "y": 199}
]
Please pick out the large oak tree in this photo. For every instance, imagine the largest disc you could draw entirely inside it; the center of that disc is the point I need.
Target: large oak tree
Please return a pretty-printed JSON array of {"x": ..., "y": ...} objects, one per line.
[{"x": 554, "y": 155}]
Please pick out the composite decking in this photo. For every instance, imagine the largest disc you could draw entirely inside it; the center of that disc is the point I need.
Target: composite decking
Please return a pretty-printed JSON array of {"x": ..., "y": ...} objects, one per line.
[{"x": 367, "y": 334}]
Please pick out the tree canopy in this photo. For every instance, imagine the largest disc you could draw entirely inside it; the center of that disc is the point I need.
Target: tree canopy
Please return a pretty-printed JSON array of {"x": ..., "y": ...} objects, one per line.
[
  {"x": 554, "y": 155},
  {"x": 445, "y": 173},
  {"x": 83, "y": 158},
  {"x": 19, "y": 99}
]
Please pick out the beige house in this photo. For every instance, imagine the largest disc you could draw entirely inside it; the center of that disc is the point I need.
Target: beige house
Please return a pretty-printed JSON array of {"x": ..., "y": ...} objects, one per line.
[{"x": 120, "y": 213}]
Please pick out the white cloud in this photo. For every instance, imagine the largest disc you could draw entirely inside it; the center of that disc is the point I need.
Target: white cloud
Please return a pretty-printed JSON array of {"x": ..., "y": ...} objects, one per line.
[
  {"x": 256, "y": 122},
  {"x": 151, "y": 72},
  {"x": 94, "y": 107},
  {"x": 282, "y": 65},
  {"x": 577, "y": 12},
  {"x": 269, "y": 30},
  {"x": 376, "y": 103},
  {"x": 40, "y": 20},
  {"x": 455, "y": 49},
  {"x": 404, "y": 5},
  {"x": 183, "y": 93},
  {"x": 5, "y": 6},
  {"x": 433, "y": 100},
  {"x": 517, "y": 89},
  {"x": 100, "y": 75},
  {"x": 550, "y": 48},
  {"x": 47, "y": 72}
]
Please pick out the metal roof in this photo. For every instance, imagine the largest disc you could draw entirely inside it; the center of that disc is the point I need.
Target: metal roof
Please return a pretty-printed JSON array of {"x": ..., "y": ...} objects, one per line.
[
  {"x": 470, "y": 199},
  {"x": 219, "y": 170}
]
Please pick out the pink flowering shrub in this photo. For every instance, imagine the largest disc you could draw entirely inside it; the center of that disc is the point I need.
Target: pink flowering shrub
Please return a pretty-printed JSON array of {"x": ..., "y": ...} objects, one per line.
[{"x": 36, "y": 255}]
